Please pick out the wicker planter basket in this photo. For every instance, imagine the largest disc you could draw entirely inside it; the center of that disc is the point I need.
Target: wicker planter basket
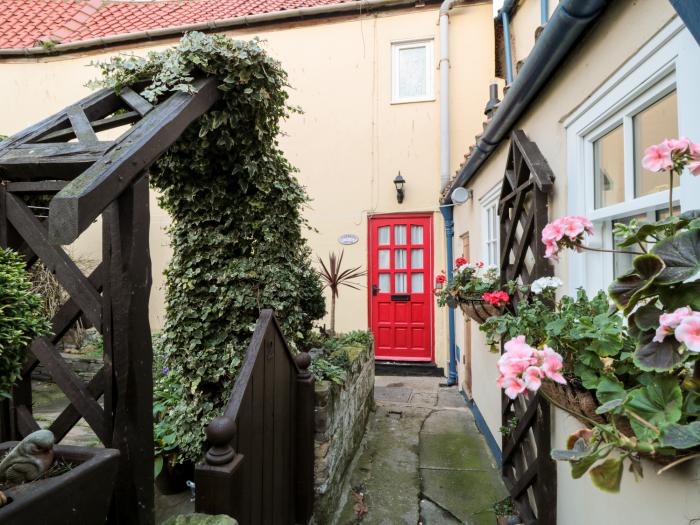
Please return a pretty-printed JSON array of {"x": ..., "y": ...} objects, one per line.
[
  {"x": 579, "y": 403},
  {"x": 479, "y": 310}
]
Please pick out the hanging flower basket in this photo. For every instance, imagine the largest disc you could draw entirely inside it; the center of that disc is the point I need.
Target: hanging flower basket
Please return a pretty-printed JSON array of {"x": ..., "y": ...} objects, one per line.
[{"x": 479, "y": 310}]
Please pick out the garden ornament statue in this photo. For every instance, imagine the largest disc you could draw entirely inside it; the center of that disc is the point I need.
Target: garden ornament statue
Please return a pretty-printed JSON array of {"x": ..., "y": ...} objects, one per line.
[{"x": 29, "y": 459}]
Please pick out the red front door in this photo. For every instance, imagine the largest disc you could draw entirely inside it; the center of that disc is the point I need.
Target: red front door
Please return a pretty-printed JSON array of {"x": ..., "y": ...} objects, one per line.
[{"x": 400, "y": 286}]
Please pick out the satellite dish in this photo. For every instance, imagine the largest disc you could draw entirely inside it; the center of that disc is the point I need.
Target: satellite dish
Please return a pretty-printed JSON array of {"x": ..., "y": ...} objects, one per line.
[{"x": 461, "y": 195}]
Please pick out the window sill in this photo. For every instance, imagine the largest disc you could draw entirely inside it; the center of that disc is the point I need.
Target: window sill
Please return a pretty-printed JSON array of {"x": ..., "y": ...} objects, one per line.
[
  {"x": 639, "y": 204},
  {"x": 412, "y": 101}
]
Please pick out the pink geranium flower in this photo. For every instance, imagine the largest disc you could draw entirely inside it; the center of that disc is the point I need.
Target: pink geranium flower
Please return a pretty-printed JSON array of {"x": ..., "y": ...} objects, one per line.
[
  {"x": 533, "y": 378},
  {"x": 657, "y": 158},
  {"x": 567, "y": 232},
  {"x": 514, "y": 386},
  {"x": 523, "y": 368},
  {"x": 688, "y": 332},
  {"x": 552, "y": 364},
  {"x": 694, "y": 167},
  {"x": 669, "y": 322}
]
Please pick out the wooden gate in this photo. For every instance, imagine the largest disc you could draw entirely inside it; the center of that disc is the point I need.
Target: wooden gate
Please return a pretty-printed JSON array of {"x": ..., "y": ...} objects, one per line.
[
  {"x": 56, "y": 179},
  {"x": 528, "y": 470},
  {"x": 260, "y": 468}
]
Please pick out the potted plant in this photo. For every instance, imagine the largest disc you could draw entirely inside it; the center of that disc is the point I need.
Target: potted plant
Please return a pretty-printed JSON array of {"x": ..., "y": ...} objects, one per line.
[
  {"x": 640, "y": 359},
  {"x": 82, "y": 490},
  {"x": 171, "y": 475},
  {"x": 476, "y": 289}
]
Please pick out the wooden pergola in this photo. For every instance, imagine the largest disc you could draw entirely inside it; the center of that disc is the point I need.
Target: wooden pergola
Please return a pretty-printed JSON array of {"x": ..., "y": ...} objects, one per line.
[{"x": 62, "y": 158}]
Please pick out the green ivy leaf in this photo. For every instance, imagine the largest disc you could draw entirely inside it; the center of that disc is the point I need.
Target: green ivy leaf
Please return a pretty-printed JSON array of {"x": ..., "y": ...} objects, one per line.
[
  {"x": 608, "y": 474},
  {"x": 681, "y": 257},
  {"x": 157, "y": 466},
  {"x": 659, "y": 403}
]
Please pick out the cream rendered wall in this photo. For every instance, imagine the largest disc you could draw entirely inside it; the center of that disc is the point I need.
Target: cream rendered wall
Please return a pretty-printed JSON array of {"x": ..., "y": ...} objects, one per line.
[
  {"x": 624, "y": 27},
  {"x": 525, "y": 20},
  {"x": 349, "y": 143}
]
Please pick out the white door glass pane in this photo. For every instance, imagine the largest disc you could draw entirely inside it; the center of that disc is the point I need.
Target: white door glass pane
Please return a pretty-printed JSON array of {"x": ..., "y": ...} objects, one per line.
[
  {"x": 399, "y": 283},
  {"x": 384, "y": 283},
  {"x": 383, "y": 234},
  {"x": 651, "y": 126},
  {"x": 399, "y": 259},
  {"x": 412, "y": 72},
  {"x": 417, "y": 258},
  {"x": 416, "y": 234},
  {"x": 400, "y": 234},
  {"x": 384, "y": 259},
  {"x": 609, "y": 166},
  {"x": 417, "y": 283}
]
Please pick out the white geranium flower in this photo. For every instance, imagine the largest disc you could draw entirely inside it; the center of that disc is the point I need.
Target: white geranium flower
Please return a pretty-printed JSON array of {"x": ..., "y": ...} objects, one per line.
[{"x": 544, "y": 283}]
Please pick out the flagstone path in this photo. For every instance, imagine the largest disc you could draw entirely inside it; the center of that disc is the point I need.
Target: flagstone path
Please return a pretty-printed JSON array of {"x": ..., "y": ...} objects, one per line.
[{"x": 423, "y": 461}]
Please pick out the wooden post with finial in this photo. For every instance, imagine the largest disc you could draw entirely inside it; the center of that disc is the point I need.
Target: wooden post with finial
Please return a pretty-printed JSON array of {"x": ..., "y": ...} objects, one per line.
[
  {"x": 214, "y": 476},
  {"x": 305, "y": 440}
]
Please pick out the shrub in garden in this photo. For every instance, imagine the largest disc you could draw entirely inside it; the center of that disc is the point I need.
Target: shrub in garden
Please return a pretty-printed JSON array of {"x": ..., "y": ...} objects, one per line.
[
  {"x": 21, "y": 318},
  {"x": 237, "y": 223}
]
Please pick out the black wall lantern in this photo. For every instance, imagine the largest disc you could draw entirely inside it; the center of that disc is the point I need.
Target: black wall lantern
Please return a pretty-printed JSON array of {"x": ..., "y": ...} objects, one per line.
[{"x": 399, "y": 182}]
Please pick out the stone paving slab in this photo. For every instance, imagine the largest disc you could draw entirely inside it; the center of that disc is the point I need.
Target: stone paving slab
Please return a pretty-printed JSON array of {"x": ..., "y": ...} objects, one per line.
[
  {"x": 386, "y": 473},
  {"x": 423, "y": 461},
  {"x": 395, "y": 395}
]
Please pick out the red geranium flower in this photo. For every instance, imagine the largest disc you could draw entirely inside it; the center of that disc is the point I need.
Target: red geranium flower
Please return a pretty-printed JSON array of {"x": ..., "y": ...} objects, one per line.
[
  {"x": 460, "y": 261},
  {"x": 440, "y": 279},
  {"x": 497, "y": 298}
]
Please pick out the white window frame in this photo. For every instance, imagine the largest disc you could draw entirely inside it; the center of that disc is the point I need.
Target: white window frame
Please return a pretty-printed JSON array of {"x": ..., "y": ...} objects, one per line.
[
  {"x": 488, "y": 204},
  {"x": 397, "y": 47},
  {"x": 666, "y": 62}
]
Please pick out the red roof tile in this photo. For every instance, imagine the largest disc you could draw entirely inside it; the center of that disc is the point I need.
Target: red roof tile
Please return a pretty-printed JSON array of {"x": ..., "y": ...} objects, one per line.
[{"x": 25, "y": 22}]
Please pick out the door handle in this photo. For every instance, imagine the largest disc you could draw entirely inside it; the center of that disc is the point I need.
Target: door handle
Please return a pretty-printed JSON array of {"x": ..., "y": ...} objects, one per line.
[{"x": 375, "y": 289}]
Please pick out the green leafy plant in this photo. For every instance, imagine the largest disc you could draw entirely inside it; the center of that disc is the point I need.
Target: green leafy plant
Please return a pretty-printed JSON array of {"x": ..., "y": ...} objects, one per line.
[
  {"x": 165, "y": 437},
  {"x": 333, "y": 277},
  {"x": 640, "y": 359},
  {"x": 470, "y": 282},
  {"x": 237, "y": 231},
  {"x": 21, "y": 318},
  {"x": 323, "y": 370}
]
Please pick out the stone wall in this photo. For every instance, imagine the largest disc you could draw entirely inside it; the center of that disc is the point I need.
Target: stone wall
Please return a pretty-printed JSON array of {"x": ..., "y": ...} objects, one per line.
[
  {"x": 342, "y": 412},
  {"x": 84, "y": 367}
]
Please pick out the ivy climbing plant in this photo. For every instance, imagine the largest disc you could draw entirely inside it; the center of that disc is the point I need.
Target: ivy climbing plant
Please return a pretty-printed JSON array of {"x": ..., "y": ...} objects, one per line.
[{"x": 237, "y": 230}]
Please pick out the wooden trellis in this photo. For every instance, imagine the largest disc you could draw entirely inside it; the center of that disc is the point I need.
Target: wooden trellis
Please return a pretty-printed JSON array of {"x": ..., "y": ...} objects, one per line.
[
  {"x": 63, "y": 160},
  {"x": 528, "y": 470}
]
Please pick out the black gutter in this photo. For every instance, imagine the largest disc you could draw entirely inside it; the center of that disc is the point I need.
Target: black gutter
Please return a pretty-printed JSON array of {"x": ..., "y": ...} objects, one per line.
[
  {"x": 689, "y": 11},
  {"x": 560, "y": 35}
]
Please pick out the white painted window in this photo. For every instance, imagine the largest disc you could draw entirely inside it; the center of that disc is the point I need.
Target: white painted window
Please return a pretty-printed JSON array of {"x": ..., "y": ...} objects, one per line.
[
  {"x": 412, "y": 71},
  {"x": 490, "y": 226},
  {"x": 650, "y": 98}
]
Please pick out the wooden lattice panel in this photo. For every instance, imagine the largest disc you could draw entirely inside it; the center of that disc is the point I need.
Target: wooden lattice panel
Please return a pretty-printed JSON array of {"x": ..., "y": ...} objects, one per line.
[
  {"x": 63, "y": 161},
  {"x": 528, "y": 470}
]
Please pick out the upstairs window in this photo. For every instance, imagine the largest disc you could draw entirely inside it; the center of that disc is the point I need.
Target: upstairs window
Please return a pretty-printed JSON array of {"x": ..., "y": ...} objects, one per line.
[{"x": 412, "y": 71}]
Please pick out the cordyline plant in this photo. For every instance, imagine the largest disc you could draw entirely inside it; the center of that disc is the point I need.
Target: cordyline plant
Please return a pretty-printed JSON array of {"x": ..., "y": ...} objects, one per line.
[
  {"x": 237, "y": 224},
  {"x": 645, "y": 374},
  {"x": 21, "y": 318},
  {"x": 333, "y": 277}
]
